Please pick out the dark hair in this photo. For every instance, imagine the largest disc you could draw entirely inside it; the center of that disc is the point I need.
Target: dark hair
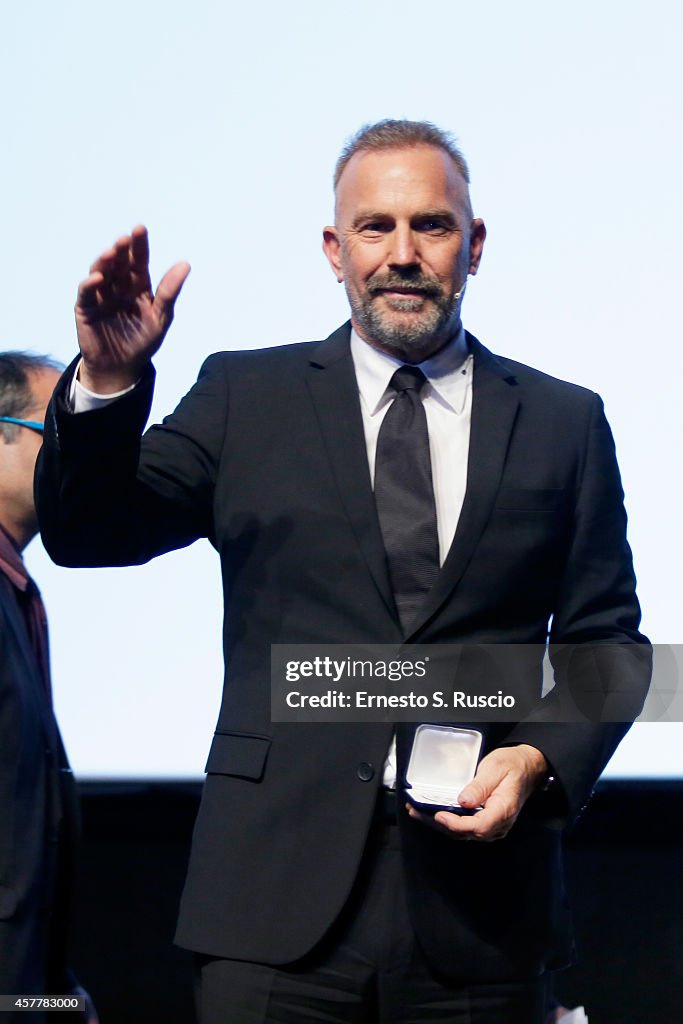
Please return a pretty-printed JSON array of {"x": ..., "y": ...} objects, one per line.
[
  {"x": 16, "y": 397},
  {"x": 390, "y": 134}
]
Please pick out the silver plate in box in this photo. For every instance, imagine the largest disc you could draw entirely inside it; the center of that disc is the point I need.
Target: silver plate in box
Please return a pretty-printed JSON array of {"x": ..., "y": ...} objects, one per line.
[{"x": 443, "y": 760}]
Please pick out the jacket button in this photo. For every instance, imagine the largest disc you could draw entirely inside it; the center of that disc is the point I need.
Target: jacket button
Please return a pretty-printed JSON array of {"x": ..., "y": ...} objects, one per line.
[{"x": 366, "y": 771}]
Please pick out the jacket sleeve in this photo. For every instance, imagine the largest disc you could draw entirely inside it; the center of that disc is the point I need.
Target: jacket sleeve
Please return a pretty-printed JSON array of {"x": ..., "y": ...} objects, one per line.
[
  {"x": 105, "y": 496},
  {"x": 595, "y": 646}
]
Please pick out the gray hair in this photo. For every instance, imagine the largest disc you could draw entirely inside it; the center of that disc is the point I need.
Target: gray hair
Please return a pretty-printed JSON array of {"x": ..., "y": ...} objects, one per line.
[
  {"x": 16, "y": 397},
  {"x": 390, "y": 134}
]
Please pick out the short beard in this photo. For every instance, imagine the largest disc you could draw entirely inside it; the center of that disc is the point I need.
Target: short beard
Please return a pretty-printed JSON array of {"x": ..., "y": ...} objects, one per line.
[{"x": 405, "y": 338}]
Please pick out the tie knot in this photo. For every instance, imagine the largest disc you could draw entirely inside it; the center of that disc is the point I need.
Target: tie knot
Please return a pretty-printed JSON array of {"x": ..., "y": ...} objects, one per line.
[{"x": 408, "y": 378}]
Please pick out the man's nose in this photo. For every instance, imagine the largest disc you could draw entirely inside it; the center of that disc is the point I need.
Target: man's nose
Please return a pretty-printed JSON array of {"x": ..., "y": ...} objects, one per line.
[{"x": 404, "y": 250}]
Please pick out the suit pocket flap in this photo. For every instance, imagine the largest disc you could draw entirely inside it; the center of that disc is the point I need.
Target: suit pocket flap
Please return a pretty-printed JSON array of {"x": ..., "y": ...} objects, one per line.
[
  {"x": 238, "y": 753},
  {"x": 529, "y": 498}
]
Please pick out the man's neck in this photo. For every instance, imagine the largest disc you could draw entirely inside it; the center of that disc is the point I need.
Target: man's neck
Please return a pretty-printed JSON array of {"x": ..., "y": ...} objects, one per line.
[
  {"x": 17, "y": 535},
  {"x": 413, "y": 354}
]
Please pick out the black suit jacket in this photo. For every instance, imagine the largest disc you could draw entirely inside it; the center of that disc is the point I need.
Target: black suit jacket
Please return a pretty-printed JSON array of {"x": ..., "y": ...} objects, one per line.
[
  {"x": 266, "y": 456},
  {"x": 37, "y": 807}
]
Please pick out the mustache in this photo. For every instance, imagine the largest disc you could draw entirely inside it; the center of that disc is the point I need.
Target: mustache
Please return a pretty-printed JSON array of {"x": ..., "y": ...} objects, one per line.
[{"x": 415, "y": 282}]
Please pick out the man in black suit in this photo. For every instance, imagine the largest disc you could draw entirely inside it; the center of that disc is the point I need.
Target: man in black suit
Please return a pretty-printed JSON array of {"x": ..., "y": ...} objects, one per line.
[
  {"x": 306, "y": 898},
  {"x": 37, "y": 792}
]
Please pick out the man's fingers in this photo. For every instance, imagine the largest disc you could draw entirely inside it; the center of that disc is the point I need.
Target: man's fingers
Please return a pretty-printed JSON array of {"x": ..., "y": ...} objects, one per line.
[
  {"x": 121, "y": 264},
  {"x": 429, "y": 820},
  {"x": 169, "y": 290},
  {"x": 500, "y": 798},
  {"x": 473, "y": 795},
  {"x": 87, "y": 290},
  {"x": 128, "y": 255},
  {"x": 509, "y": 774},
  {"x": 484, "y": 826},
  {"x": 477, "y": 792},
  {"x": 139, "y": 255},
  {"x": 139, "y": 247},
  {"x": 121, "y": 324},
  {"x": 104, "y": 261},
  {"x": 123, "y": 271}
]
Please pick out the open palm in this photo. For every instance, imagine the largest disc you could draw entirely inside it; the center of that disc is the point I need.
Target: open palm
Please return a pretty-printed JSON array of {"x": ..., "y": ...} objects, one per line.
[{"x": 120, "y": 322}]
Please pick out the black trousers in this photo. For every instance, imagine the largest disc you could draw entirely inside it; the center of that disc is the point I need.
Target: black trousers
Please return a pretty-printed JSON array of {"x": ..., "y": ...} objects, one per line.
[{"x": 368, "y": 970}]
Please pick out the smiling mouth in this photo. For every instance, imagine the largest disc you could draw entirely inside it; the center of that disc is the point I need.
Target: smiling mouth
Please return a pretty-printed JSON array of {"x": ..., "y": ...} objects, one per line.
[
  {"x": 403, "y": 293},
  {"x": 407, "y": 299}
]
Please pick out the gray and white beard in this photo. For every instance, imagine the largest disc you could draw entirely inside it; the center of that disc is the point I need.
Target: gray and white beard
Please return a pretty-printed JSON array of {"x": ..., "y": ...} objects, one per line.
[{"x": 436, "y": 323}]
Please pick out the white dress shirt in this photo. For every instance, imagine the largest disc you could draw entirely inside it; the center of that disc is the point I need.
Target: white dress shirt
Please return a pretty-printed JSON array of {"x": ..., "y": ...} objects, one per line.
[{"x": 447, "y": 400}]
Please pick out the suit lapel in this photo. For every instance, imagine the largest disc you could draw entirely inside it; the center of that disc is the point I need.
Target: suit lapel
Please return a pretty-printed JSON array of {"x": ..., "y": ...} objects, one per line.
[
  {"x": 494, "y": 407},
  {"x": 495, "y": 402},
  {"x": 334, "y": 390}
]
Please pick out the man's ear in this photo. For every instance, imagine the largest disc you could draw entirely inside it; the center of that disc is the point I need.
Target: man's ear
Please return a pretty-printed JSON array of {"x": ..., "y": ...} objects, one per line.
[
  {"x": 332, "y": 249},
  {"x": 477, "y": 238}
]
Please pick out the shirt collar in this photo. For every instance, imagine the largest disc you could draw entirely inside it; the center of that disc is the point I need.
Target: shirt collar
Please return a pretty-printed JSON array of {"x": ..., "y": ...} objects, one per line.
[{"x": 448, "y": 372}]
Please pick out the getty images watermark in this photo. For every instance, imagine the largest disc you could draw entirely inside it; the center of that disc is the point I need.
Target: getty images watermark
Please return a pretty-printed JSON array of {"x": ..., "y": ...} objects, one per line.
[{"x": 476, "y": 682}]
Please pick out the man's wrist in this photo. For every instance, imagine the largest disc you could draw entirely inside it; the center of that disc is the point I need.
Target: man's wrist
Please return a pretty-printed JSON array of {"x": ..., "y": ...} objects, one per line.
[
  {"x": 111, "y": 384},
  {"x": 83, "y": 399}
]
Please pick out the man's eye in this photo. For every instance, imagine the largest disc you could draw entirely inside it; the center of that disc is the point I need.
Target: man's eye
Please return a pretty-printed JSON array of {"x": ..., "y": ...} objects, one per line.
[
  {"x": 374, "y": 227},
  {"x": 434, "y": 227}
]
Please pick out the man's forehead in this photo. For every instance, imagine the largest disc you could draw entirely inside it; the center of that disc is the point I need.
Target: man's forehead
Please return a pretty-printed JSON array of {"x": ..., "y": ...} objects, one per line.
[{"x": 372, "y": 175}]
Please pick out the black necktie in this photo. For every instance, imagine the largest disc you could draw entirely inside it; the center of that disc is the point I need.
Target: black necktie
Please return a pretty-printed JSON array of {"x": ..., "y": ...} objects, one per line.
[{"x": 405, "y": 496}]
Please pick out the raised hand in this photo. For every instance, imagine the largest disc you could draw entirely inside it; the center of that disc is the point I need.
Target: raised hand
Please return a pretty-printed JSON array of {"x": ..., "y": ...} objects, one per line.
[{"x": 120, "y": 322}]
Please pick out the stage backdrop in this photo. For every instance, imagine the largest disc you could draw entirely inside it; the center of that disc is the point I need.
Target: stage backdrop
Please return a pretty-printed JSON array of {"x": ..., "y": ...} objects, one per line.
[{"x": 218, "y": 126}]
